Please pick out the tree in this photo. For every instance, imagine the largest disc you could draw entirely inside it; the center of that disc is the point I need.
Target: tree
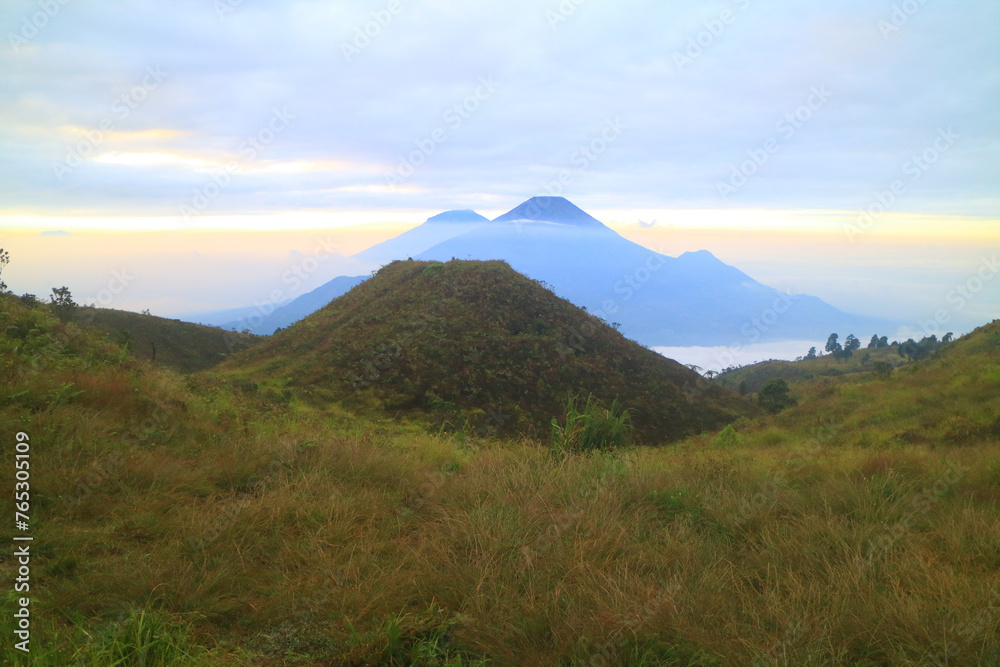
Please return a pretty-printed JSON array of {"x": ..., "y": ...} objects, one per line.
[
  {"x": 62, "y": 303},
  {"x": 831, "y": 343},
  {"x": 873, "y": 343},
  {"x": 4, "y": 261},
  {"x": 851, "y": 343},
  {"x": 883, "y": 341},
  {"x": 948, "y": 337},
  {"x": 911, "y": 350},
  {"x": 743, "y": 388},
  {"x": 774, "y": 397},
  {"x": 812, "y": 353}
]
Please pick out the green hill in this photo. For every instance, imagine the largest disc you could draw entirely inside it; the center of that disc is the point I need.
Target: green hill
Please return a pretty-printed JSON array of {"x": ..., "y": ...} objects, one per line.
[
  {"x": 191, "y": 521},
  {"x": 478, "y": 345},
  {"x": 754, "y": 376},
  {"x": 180, "y": 346}
]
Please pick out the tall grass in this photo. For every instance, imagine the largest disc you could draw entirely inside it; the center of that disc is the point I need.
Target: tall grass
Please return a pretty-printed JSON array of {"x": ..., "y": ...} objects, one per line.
[{"x": 595, "y": 429}]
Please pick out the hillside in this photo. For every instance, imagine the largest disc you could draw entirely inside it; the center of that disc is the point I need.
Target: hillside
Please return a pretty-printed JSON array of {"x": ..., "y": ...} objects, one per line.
[
  {"x": 949, "y": 398},
  {"x": 477, "y": 345},
  {"x": 757, "y": 375},
  {"x": 180, "y": 346},
  {"x": 192, "y": 521}
]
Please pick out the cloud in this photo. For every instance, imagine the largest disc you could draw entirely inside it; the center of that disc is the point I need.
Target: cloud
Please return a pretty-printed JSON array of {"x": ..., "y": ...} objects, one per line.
[{"x": 743, "y": 67}]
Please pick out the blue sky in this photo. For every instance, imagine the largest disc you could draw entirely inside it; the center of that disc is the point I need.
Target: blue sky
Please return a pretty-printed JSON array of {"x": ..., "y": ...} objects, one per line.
[{"x": 140, "y": 108}]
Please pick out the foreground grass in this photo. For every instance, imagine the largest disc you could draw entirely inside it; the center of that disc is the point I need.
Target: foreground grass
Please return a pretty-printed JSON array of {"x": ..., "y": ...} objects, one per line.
[{"x": 183, "y": 521}]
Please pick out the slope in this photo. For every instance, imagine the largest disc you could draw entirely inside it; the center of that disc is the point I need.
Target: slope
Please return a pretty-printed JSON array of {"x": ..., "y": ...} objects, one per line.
[
  {"x": 180, "y": 346},
  {"x": 478, "y": 345}
]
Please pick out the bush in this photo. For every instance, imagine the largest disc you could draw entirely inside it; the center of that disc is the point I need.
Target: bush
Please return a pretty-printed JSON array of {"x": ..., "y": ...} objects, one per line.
[
  {"x": 774, "y": 397},
  {"x": 594, "y": 429},
  {"x": 882, "y": 370}
]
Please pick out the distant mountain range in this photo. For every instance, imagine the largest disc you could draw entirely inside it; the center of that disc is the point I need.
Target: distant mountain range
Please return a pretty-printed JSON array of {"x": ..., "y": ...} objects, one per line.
[{"x": 655, "y": 299}]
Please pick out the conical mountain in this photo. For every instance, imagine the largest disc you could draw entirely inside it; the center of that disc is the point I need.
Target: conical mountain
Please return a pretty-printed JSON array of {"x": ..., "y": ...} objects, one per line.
[
  {"x": 694, "y": 299},
  {"x": 478, "y": 345},
  {"x": 557, "y": 210},
  {"x": 411, "y": 243}
]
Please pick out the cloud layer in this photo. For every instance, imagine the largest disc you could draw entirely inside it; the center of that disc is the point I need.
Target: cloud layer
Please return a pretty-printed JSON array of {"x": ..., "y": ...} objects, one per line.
[{"x": 210, "y": 107}]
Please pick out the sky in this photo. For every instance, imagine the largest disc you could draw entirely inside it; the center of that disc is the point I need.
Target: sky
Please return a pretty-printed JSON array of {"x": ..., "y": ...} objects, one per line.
[{"x": 853, "y": 144}]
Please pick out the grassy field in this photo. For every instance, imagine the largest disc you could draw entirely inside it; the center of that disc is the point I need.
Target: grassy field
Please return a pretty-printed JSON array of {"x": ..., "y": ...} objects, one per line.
[{"x": 191, "y": 520}]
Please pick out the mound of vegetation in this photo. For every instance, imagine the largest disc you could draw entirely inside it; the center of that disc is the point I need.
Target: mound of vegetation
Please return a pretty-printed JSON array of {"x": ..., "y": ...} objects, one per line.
[
  {"x": 477, "y": 345},
  {"x": 190, "y": 521}
]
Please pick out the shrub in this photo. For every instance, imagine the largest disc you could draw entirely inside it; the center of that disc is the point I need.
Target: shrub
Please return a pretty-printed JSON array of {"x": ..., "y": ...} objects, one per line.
[
  {"x": 593, "y": 429},
  {"x": 774, "y": 397}
]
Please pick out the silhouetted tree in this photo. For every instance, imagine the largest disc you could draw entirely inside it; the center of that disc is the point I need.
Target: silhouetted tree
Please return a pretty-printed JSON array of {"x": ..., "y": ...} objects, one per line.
[
  {"x": 811, "y": 354},
  {"x": 948, "y": 337},
  {"x": 832, "y": 345},
  {"x": 883, "y": 341},
  {"x": 873, "y": 343},
  {"x": 851, "y": 343},
  {"x": 62, "y": 303},
  {"x": 4, "y": 261},
  {"x": 911, "y": 350}
]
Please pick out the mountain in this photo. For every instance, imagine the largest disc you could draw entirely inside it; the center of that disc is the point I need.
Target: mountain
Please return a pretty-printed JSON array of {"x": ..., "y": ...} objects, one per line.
[
  {"x": 435, "y": 230},
  {"x": 265, "y": 323},
  {"x": 478, "y": 345},
  {"x": 693, "y": 299}
]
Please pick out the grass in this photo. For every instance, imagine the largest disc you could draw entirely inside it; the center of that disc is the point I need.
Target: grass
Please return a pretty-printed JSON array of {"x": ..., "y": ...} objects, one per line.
[{"x": 193, "y": 521}]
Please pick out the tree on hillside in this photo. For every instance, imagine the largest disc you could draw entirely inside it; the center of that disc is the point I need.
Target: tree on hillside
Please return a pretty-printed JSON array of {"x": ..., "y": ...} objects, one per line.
[
  {"x": 873, "y": 343},
  {"x": 948, "y": 337},
  {"x": 911, "y": 350},
  {"x": 851, "y": 344},
  {"x": 62, "y": 303},
  {"x": 883, "y": 341},
  {"x": 832, "y": 345},
  {"x": 774, "y": 397},
  {"x": 811, "y": 354},
  {"x": 4, "y": 261}
]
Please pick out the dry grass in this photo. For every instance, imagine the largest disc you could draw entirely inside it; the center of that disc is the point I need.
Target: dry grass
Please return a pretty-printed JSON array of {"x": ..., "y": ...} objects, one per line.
[{"x": 240, "y": 531}]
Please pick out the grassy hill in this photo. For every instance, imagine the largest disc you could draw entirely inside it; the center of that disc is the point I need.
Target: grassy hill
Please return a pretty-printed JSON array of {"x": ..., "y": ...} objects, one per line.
[
  {"x": 754, "y": 376},
  {"x": 181, "y": 346},
  {"x": 185, "y": 520},
  {"x": 478, "y": 345}
]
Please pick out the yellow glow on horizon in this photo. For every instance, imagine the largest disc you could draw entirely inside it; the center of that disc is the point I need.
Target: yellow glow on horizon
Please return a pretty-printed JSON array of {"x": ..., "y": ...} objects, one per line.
[{"x": 630, "y": 222}]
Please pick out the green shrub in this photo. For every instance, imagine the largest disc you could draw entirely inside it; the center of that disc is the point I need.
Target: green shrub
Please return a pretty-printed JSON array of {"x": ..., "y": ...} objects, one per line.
[{"x": 593, "y": 429}]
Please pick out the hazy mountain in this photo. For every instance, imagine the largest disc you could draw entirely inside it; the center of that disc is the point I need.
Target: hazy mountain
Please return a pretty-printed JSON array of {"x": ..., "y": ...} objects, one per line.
[
  {"x": 435, "y": 230},
  {"x": 264, "y": 323},
  {"x": 694, "y": 299},
  {"x": 478, "y": 345}
]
